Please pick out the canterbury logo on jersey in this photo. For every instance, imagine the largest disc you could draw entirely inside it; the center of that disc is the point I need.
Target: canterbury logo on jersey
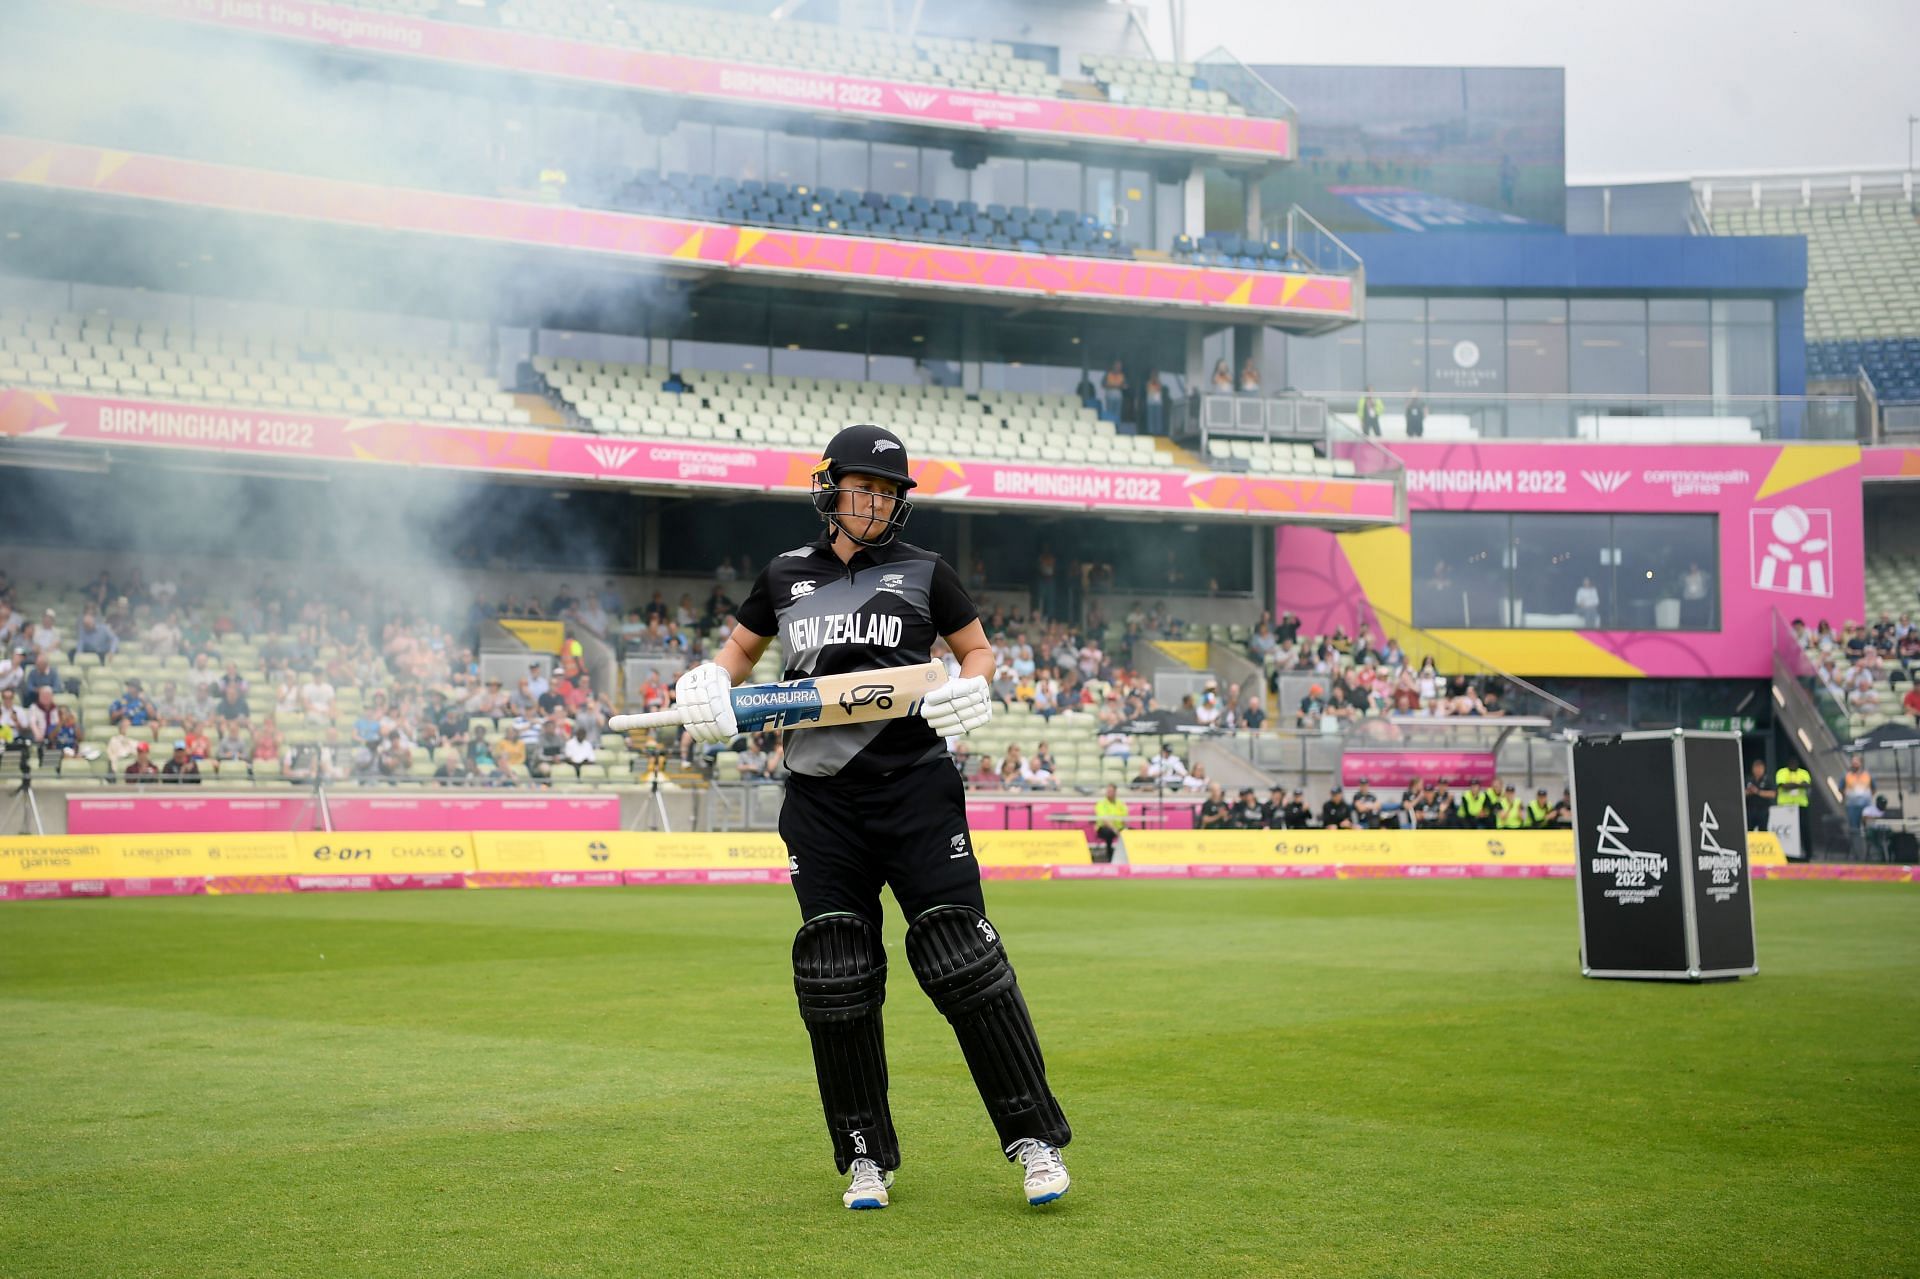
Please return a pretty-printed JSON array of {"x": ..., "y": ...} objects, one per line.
[{"x": 807, "y": 633}]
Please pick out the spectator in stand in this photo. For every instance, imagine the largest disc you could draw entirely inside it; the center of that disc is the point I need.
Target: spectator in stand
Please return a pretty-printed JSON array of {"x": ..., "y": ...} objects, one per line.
[
  {"x": 95, "y": 636},
  {"x": 142, "y": 769},
  {"x": 590, "y": 617},
  {"x": 1155, "y": 403},
  {"x": 132, "y": 707},
  {"x": 578, "y": 751},
  {"x": 1339, "y": 708},
  {"x": 317, "y": 698},
  {"x": 394, "y": 759},
  {"x": 1214, "y": 813},
  {"x": 42, "y": 674},
  {"x": 230, "y": 747},
  {"x": 1038, "y": 771},
  {"x": 182, "y": 769},
  {"x": 1911, "y": 703},
  {"x": 452, "y": 770},
  {"x": 1312, "y": 707},
  {"x": 988, "y": 777},
  {"x": 1114, "y": 386},
  {"x": 1196, "y": 778},
  {"x": 754, "y": 760},
  {"x": 10, "y": 626},
  {"x": 121, "y": 748},
  {"x": 1253, "y": 716},
  {"x": 13, "y": 670},
  {"x": 266, "y": 741},
  {"x": 198, "y": 746},
  {"x": 16, "y": 722},
  {"x": 1166, "y": 768},
  {"x": 1336, "y": 813},
  {"x": 44, "y": 638},
  {"x": 1249, "y": 377}
]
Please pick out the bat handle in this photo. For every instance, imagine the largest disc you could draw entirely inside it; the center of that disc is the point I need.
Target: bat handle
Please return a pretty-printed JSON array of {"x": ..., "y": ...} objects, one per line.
[{"x": 652, "y": 719}]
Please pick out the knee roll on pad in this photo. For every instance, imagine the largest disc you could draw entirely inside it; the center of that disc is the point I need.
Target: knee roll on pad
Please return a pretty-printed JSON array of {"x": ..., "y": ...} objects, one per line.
[
  {"x": 840, "y": 977},
  {"x": 962, "y": 966}
]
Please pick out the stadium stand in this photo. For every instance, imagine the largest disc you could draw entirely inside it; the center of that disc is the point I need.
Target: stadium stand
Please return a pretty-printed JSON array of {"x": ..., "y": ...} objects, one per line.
[
  {"x": 796, "y": 412},
  {"x": 1863, "y": 284},
  {"x": 898, "y": 217},
  {"x": 978, "y": 66},
  {"x": 100, "y": 355}
]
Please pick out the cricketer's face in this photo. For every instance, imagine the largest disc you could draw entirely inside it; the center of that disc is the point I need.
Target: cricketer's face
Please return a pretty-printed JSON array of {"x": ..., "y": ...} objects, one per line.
[{"x": 866, "y": 504}]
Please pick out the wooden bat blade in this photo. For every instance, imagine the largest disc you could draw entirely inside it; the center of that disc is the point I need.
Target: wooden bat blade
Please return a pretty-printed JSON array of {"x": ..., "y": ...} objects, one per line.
[{"x": 822, "y": 701}]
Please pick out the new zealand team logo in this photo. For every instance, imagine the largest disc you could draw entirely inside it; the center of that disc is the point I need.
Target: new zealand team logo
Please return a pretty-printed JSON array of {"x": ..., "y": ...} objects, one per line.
[{"x": 880, "y": 695}]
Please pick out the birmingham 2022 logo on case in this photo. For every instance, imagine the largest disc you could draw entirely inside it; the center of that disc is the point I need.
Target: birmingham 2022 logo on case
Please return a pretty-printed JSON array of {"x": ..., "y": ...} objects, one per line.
[{"x": 1791, "y": 548}]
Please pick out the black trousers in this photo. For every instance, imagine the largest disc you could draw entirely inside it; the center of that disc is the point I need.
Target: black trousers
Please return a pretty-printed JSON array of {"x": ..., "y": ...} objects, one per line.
[{"x": 848, "y": 838}]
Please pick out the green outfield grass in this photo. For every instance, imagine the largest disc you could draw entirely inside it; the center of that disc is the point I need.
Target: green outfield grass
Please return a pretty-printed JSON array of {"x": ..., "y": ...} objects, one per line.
[{"x": 1282, "y": 1078}]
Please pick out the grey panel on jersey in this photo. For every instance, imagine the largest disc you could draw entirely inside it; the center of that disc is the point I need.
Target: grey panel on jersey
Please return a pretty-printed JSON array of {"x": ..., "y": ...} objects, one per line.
[
  {"x": 823, "y": 752},
  {"x": 961, "y": 964},
  {"x": 840, "y": 976}
]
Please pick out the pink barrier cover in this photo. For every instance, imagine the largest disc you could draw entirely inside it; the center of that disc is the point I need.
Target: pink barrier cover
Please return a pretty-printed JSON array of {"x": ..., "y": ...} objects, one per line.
[
  {"x": 475, "y": 812},
  {"x": 816, "y": 93},
  {"x": 1888, "y": 463},
  {"x": 1036, "y": 814},
  {"x": 214, "y": 814},
  {"x": 46, "y": 417},
  {"x": 1397, "y": 768},
  {"x": 680, "y": 242},
  {"x": 1790, "y": 538}
]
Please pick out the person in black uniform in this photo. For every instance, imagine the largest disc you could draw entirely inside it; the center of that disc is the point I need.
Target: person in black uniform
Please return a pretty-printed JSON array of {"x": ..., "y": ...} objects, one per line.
[
  {"x": 1273, "y": 812},
  {"x": 1296, "y": 814},
  {"x": 1246, "y": 813},
  {"x": 1336, "y": 813},
  {"x": 878, "y": 804}
]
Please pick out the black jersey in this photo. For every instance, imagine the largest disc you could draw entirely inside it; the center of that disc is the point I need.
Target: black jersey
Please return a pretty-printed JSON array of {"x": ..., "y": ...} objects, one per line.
[{"x": 883, "y": 608}]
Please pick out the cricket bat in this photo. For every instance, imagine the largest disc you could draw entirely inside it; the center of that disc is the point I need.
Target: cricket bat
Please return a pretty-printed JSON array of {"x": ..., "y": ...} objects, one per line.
[{"x": 817, "y": 702}]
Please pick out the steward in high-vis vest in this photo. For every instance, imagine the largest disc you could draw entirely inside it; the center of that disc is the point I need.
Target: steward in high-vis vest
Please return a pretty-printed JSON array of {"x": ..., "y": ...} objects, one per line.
[
  {"x": 1794, "y": 787},
  {"x": 1539, "y": 811},
  {"x": 1513, "y": 814}
]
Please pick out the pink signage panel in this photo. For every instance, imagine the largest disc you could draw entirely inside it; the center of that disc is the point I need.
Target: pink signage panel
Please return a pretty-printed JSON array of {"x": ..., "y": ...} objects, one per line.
[
  {"x": 1888, "y": 463},
  {"x": 1789, "y": 530},
  {"x": 126, "y": 814},
  {"x": 1016, "y": 813},
  {"x": 1396, "y": 768},
  {"x": 50, "y": 418},
  {"x": 815, "y": 92},
  {"x": 475, "y": 812},
  {"x": 683, "y": 242}
]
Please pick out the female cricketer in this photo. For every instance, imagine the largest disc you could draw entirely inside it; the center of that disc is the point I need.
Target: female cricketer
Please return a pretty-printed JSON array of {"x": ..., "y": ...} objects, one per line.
[{"x": 881, "y": 803}]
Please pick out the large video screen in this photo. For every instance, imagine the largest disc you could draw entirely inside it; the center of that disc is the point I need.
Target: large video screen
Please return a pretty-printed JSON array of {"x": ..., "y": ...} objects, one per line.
[{"x": 1425, "y": 149}]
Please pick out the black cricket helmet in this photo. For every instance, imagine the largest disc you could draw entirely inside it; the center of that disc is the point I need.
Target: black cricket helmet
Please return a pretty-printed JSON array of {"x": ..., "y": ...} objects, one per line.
[{"x": 863, "y": 450}]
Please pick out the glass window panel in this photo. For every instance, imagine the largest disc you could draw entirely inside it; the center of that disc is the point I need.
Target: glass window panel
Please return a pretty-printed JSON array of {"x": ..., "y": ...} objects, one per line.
[
  {"x": 1490, "y": 309},
  {"x": 1000, "y": 181},
  {"x": 739, "y": 153},
  {"x": 1466, "y": 357},
  {"x": 1667, "y": 573},
  {"x": 843, "y": 164},
  {"x": 688, "y": 149},
  {"x": 915, "y": 335},
  {"x": 1608, "y": 359},
  {"x": 1677, "y": 310},
  {"x": 1331, "y": 364},
  {"x": 1032, "y": 357},
  {"x": 1053, "y": 184},
  {"x": 1561, "y": 579},
  {"x": 1742, "y": 311},
  {"x": 1677, "y": 359},
  {"x": 1391, "y": 308},
  {"x": 1613, "y": 310},
  {"x": 1170, "y": 213},
  {"x": 1396, "y": 355},
  {"x": 1537, "y": 310},
  {"x": 1459, "y": 570},
  {"x": 722, "y": 334},
  {"x": 819, "y": 340},
  {"x": 896, "y": 169},
  {"x": 1135, "y": 206},
  {"x": 940, "y": 177},
  {"x": 793, "y": 159}
]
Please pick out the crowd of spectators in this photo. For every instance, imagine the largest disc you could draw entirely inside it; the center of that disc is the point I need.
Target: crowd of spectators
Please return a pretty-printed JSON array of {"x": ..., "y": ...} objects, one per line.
[
  {"x": 1363, "y": 676},
  {"x": 1860, "y": 665},
  {"x": 416, "y": 689}
]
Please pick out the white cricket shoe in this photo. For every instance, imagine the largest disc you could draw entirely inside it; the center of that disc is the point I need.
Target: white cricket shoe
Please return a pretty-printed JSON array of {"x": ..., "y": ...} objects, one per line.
[
  {"x": 869, "y": 1186},
  {"x": 1047, "y": 1176}
]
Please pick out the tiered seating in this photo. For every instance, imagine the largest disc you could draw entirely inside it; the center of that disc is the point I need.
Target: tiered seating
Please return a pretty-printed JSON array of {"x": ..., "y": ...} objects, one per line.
[
  {"x": 1224, "y": 248},
  {"x": 1144, "y": 82},
  {"x": 847, "y": 212},
  {"x": 98, "y": 355},
  {"x": 1893, "y": 585},
  {"x": 1863, "y": 284},
  {"x": 1275, "y": 458}
]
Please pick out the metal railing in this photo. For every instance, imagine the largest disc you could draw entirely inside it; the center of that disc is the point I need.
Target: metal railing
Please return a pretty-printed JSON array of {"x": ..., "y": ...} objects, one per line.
[
  {"x": 1221, "y": 70},
  {"x": 1312, "y": 246},
  {"x": 1635, "y": 419}
]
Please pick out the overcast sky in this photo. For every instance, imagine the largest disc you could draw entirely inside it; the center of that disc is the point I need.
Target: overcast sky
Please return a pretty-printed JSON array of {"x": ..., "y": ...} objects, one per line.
[{"x": 1653, "y": 86}]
